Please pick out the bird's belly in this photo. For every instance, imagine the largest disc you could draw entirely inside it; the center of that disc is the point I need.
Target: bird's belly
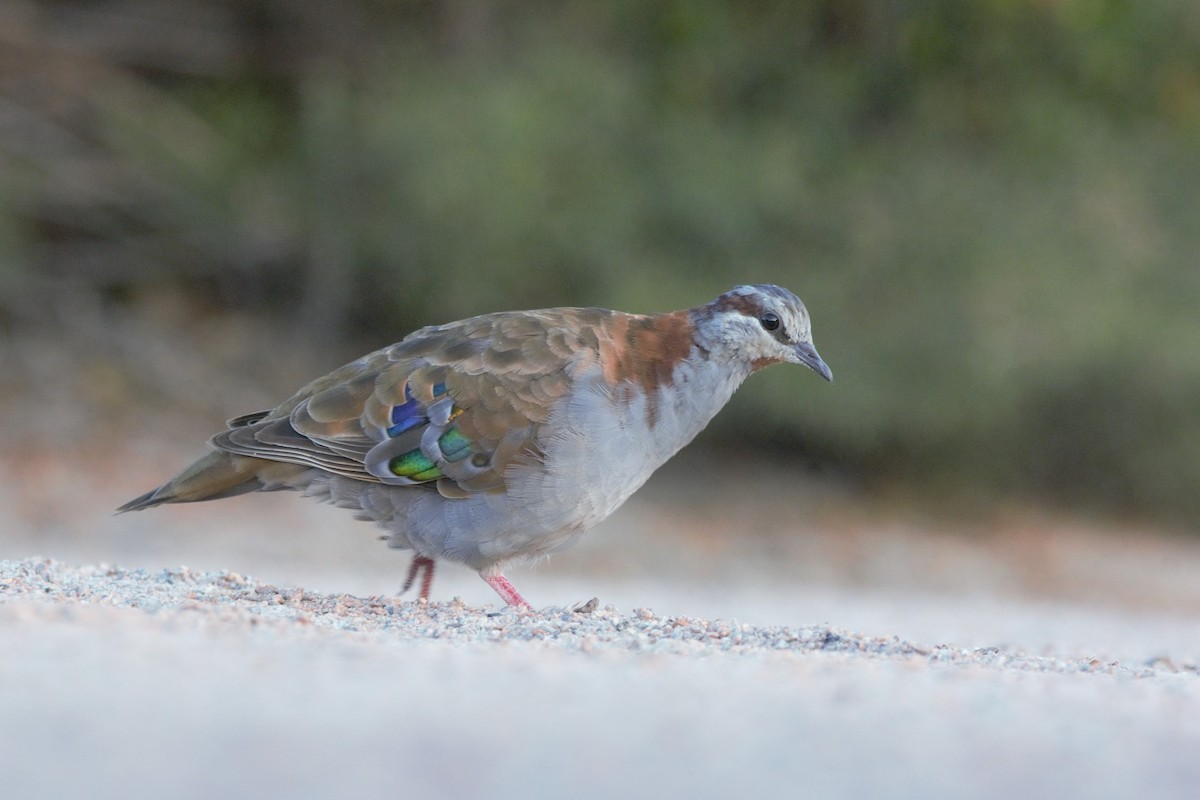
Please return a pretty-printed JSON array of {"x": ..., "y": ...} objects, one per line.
[
  {"x": 598, "y": 447},
  {"x": 595, "y": 454},
  {"x": 546, "y": 510},
  {"x": 604, "y": 447}
]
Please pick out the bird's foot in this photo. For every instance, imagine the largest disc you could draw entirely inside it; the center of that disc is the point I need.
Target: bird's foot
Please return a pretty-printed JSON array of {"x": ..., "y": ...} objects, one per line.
[
  {"x": 420, "y": 564},
  {"x": 507, "y": 591}
]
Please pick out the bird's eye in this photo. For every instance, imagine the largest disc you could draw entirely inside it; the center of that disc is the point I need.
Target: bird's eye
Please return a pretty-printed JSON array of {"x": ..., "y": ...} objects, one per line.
[{"x": 769, "y": 320}]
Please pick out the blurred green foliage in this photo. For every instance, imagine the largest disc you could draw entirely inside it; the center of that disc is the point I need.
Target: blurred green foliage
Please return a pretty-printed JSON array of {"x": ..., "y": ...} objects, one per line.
[{"x": 990, "y": 207}]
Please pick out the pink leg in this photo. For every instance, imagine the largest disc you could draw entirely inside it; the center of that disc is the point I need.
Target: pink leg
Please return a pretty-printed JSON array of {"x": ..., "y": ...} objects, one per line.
[
  {"x": 506, "y": 590},
  {"x": 419, "y": 564}
]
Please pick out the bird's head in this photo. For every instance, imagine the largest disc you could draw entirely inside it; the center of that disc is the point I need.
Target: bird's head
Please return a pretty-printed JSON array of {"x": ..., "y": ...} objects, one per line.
[{"x": 760, "y": 325}]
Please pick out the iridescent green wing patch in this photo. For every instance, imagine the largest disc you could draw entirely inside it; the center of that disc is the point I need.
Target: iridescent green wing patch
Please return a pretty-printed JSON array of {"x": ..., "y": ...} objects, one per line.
[
  {"x": 415, "y": 466},
  {"x": 455, "y": 446}
]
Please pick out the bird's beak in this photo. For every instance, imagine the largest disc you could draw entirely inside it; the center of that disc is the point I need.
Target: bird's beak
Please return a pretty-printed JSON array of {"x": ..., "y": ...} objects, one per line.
[{"x": 807, "y": 355}]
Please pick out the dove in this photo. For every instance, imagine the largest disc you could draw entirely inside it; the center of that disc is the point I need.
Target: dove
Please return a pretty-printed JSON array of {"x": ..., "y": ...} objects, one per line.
[{"x": 497, "y": 440}]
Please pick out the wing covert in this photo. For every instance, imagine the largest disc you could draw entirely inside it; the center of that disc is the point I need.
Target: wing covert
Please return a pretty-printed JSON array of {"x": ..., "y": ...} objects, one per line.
[{"x": 451, "y": 405}]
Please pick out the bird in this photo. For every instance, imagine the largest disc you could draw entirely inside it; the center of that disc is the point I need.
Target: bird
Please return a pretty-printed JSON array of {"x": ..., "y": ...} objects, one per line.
[{"x": 497, "y": 440}]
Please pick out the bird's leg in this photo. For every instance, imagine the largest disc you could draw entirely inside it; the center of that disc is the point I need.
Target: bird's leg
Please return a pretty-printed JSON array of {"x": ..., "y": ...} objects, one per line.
[
  {"x": 506, "y": 590},
  {"x": 419, "y": 564}
]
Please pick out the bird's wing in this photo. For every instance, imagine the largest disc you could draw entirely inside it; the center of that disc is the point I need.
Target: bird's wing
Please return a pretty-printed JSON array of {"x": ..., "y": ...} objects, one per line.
[{"x": 451, "y": 405}]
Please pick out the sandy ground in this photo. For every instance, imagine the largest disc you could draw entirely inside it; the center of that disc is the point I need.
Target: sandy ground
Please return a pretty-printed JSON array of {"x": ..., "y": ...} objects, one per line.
[{"x": 762, "y": 637}]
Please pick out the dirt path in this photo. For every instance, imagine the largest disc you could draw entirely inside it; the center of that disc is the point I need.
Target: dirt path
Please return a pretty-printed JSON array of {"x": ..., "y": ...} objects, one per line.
[
  {"x": 184, "y": 684},
  {"x": 799, "y": 646}
]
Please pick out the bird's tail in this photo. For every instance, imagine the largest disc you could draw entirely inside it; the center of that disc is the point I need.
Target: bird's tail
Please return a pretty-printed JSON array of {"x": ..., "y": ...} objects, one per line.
[{"x": 215, "y": 476}]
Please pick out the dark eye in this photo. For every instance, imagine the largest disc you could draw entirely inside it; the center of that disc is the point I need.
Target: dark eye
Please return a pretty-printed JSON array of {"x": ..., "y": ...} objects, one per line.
[{"x": 769, "y": 320}]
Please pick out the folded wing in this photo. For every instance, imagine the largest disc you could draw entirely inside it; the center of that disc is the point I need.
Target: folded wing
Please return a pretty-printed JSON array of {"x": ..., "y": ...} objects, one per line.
[{"x": 450, "y": 406}]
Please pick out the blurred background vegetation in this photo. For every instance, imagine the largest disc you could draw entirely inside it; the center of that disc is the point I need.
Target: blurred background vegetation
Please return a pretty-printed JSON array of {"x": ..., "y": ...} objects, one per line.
[{"x": 991, "y": 207}]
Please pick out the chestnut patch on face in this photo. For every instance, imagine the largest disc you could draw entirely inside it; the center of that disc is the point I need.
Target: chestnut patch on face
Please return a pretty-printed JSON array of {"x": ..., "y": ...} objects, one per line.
[{"x": 745, "y": 304}]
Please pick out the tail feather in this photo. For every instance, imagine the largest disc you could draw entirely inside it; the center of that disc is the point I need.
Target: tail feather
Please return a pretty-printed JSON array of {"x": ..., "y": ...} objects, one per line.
[{"x": 215, "y": 476}]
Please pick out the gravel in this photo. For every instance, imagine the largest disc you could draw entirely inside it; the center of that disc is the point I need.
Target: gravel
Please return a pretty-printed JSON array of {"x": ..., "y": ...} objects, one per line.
[
  {"x": 144, "y": 683},
  {"x": 177, "y": 594}
]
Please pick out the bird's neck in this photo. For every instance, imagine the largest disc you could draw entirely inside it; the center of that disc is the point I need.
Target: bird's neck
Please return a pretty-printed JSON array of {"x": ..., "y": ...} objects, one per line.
[
  {"x": 658, "y": 369},
  {"x": 646, "y": 350}
]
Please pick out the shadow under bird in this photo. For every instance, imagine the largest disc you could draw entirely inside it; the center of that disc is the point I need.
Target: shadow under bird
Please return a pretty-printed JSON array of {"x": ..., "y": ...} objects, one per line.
[{"x": 499, "y": 439}]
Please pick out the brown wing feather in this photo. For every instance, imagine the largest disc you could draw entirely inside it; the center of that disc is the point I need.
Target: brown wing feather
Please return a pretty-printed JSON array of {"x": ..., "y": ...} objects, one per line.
[{"x": 503, "y": 371}]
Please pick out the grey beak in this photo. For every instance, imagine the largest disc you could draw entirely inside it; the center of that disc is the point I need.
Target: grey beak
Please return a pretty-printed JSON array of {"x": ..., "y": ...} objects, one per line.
[{"x": 808, "y": 357}]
